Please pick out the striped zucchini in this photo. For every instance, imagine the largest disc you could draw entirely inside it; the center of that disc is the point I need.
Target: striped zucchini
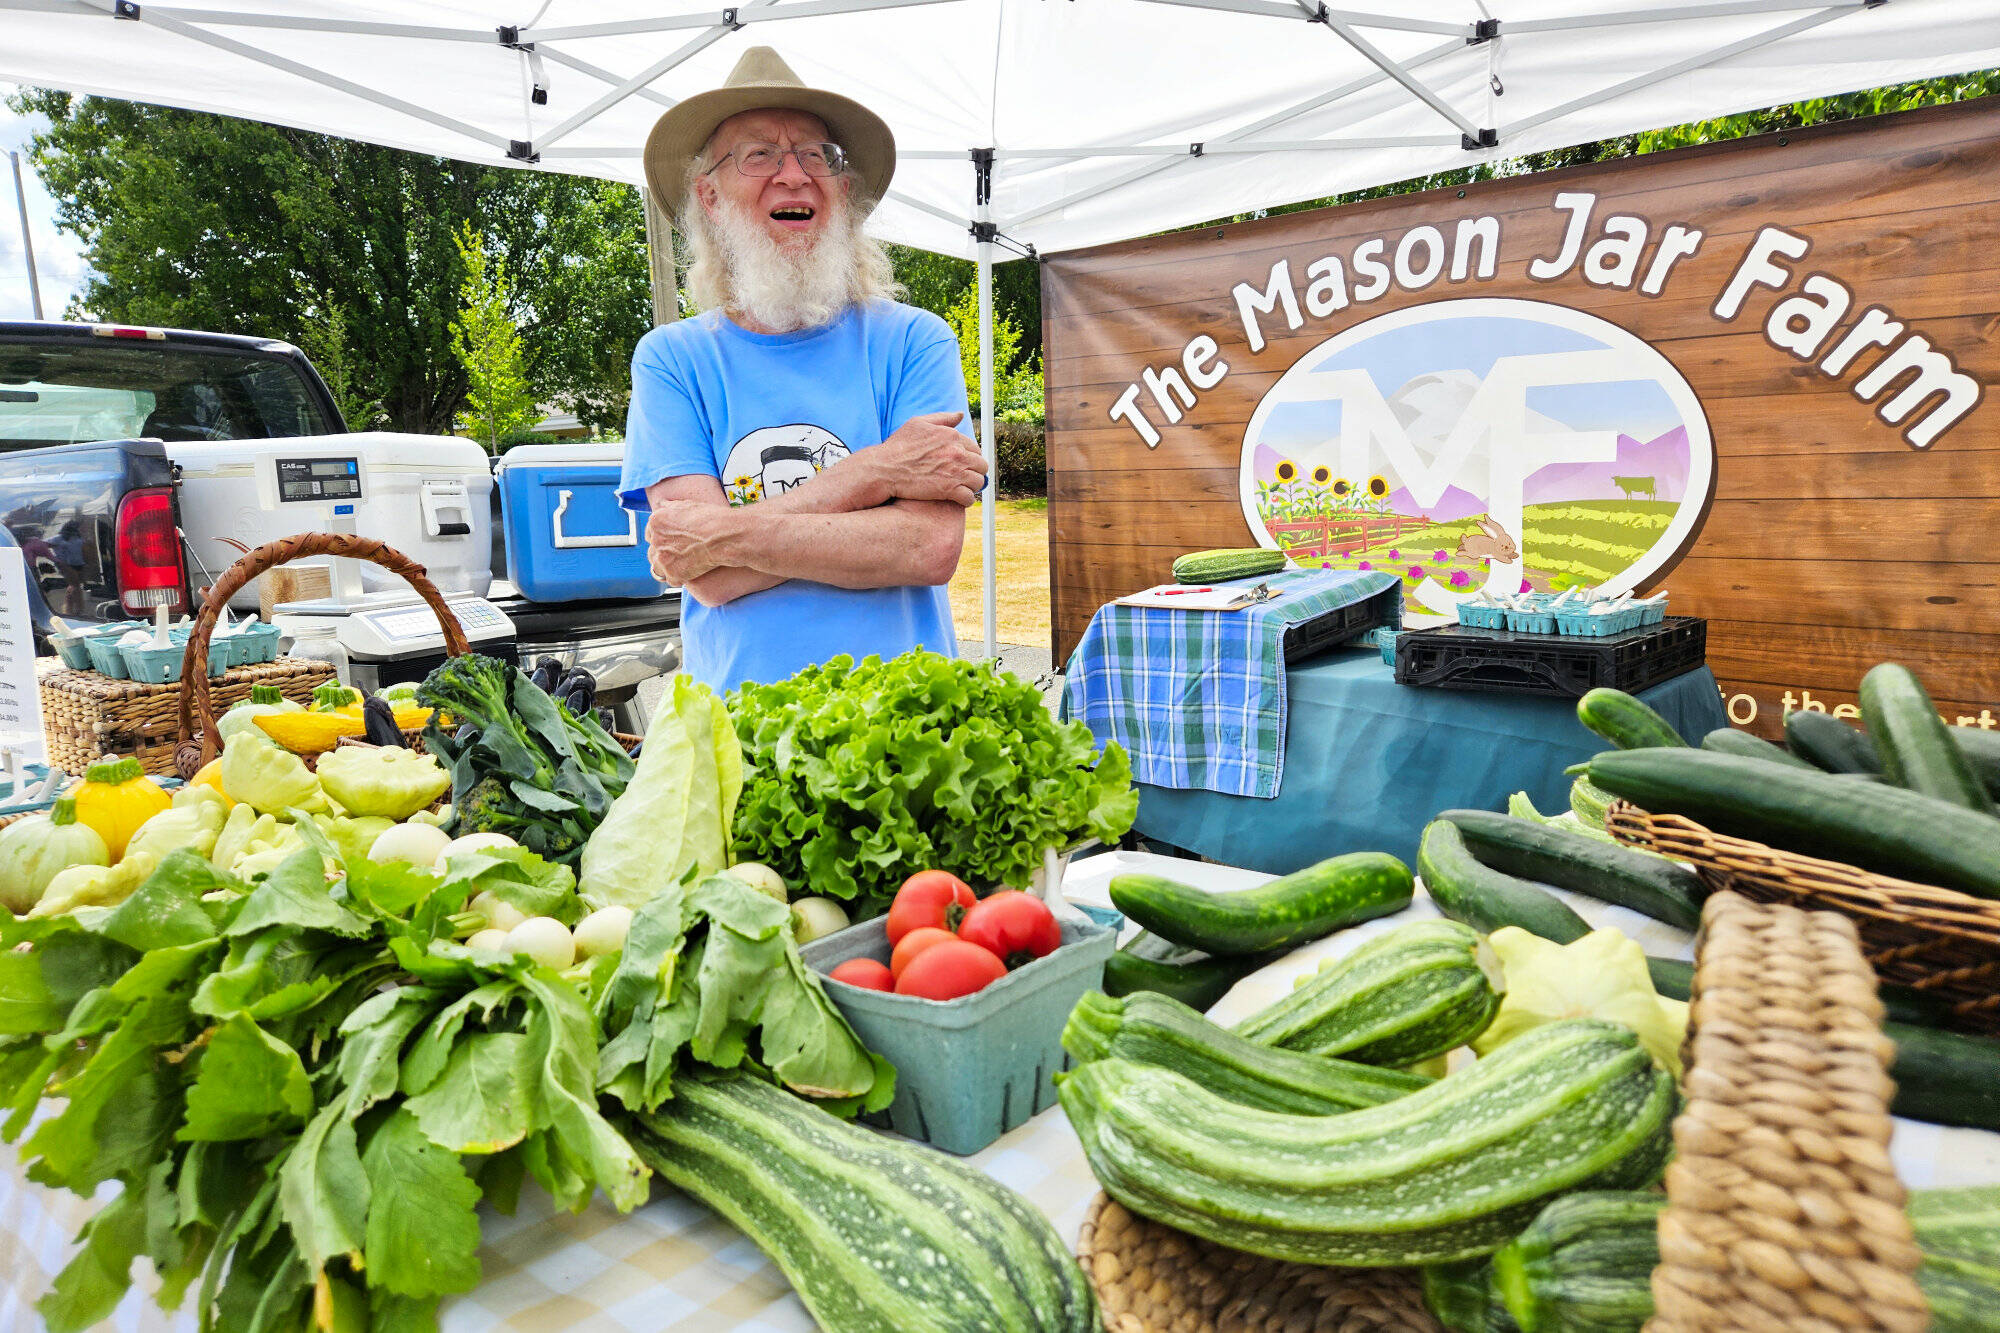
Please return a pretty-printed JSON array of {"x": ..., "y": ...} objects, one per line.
[
  {"x": 1959, "y": 1232},
  {"x": 1625, "y": 721},
  {"x": 1151, "y": 1029},
  {"x": 1589, "y": 803},
  {"x": 876, "y": 1235},
  {"x": 1584, "y": 1265},
  {"x": 1462, "y": 1297},
  {"x": 1221, "y": 565},
  {"x": 1304, "y": 905},
  {"x": 1448, "y": 1173},
  {"x": 1916, "y": 748},
  {"x": 1882, "y": 828},
  {"x": 1407, "y": 995}
]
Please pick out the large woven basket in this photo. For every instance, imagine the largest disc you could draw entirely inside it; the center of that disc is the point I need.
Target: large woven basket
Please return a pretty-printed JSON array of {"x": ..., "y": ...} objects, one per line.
[{"x": 1933, "y": 939}]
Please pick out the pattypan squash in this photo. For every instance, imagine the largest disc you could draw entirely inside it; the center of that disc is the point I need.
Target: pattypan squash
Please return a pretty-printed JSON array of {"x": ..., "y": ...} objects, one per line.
[
  {"x": 264, "y": 701},
  {"x": 1602, "y": 975},
  {"x": 352, "y": 837},
  {"x": 266, "y": 854},
  {"x": 195, "y": 825},
  {"x": 84, "y": 886},
  {"x": 115, "y": 798},
  {"x": 384, "y": 780},
  {"x": 333, "y": 697},
  {"x": 243, "y": 824},
  {"x": 269, "y": 778},
  {"x": 402, "y": 693},
  {"x": 35, "y": 849}
]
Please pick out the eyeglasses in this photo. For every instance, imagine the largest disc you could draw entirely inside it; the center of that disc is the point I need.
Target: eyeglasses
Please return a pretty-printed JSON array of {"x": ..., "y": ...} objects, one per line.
[{"x": 760, "y": 160}]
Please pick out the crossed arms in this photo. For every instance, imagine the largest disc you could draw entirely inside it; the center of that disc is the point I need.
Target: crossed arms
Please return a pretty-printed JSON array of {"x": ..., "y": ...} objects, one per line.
[{"x": 887, "y": 516}]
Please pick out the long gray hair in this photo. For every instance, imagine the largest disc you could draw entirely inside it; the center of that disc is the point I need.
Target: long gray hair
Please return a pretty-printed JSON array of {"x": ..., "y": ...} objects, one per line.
[{"x": 783, "y": 291}]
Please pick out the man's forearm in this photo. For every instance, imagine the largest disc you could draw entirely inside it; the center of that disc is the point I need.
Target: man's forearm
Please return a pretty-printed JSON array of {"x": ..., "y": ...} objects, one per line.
[
  {"x": 848, "y": 485},
  {"x": 907, "y": 543},
  {"x": 721, "y": 586}
]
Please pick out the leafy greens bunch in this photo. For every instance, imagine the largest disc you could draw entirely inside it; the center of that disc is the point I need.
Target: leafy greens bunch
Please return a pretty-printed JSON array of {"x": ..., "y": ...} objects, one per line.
[
  {"x": 290, "y": 1081},
  {"x": 520, "y": 763},
  {"x": 855, "y": 776}
]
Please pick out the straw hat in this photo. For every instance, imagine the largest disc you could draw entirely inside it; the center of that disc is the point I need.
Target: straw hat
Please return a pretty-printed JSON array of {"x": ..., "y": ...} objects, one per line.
[{"x": 762, "y": 81}]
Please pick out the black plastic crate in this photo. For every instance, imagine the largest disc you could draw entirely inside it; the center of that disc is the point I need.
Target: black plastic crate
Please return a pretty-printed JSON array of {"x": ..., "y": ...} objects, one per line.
[
  {"x": 1458, "y": 657},
  {"x": 1341, "y": 625}
]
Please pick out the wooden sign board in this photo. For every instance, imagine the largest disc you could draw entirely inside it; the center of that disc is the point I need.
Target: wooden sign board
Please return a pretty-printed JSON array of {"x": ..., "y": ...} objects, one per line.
[{"x": 1760, "y": 375}]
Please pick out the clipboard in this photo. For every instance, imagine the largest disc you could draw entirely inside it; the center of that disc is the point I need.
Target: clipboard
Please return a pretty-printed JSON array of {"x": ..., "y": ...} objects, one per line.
[{"x": 1183, "y": 597}]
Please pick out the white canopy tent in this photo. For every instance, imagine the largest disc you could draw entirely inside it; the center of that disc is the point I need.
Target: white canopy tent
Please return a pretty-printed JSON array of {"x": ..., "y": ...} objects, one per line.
[{"x": 1050, "y": 124}]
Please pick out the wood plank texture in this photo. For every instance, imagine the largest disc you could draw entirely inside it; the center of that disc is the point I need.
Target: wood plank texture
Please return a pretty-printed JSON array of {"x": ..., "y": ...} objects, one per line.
[{"x": 1827, "y": 544}]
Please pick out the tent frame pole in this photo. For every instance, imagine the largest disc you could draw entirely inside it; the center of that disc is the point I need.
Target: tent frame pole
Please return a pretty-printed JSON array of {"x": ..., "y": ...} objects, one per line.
[
  {"x": 1412, "y": 85},
  {"x": 725, "y": 18},
  {"x": 983, "y": 232}
]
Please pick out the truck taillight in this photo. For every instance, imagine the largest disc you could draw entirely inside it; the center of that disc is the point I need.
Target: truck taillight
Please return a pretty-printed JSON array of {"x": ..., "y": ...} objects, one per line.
[{"x": 151, "y": 572}]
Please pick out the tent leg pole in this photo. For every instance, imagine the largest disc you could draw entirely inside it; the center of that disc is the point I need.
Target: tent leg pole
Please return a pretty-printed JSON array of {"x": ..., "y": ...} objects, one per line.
[
  {"x": 987, "y": 542},
  {"x": 660, "y": 260}
]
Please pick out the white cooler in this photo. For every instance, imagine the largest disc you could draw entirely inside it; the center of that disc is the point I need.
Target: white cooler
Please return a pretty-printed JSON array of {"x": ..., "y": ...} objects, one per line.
[{"x": 429, "y": 496}]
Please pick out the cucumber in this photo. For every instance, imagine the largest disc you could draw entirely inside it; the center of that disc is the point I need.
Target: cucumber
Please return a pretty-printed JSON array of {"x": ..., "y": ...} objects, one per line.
[
  {"x": 1625, "y": 721},
  {"x": 1487, "y": 899},
  {"x": 1915, "y": 746},
  {"x": 1152, "y": 1029},
  {"x": 1881, "y": 828},
  {"x": 1982, "y": 750},
  {"x": 876, "y": 1235},
  {"x": 1198, "y": 982},
  {"x": 1830, "y": 744},
  {"x": 1607, "y": 872},
  {"x": 1418, "y": 991},
  {"x": 1584, "y": 1265},
  {"x": 1303, "y": 905},
  {"x": 1946, "y": 1078},
  {"x": 1448, "y": 1173},
  {"x": 1904, "y": 1004},
  {"x": 1728, "y": 740}
]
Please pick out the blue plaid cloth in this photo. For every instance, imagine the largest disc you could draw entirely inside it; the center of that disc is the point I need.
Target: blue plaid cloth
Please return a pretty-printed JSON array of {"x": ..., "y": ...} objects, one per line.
[{"x": 1197, "y": 698}]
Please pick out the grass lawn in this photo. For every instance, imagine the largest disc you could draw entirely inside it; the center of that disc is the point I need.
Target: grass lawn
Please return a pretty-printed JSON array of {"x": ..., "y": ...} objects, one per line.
[{"x": 1021, "y": 540}]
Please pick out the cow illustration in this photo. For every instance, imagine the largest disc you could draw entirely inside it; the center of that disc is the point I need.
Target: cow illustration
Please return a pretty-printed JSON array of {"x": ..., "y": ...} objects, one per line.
[{"x": 1635, "y": 486}]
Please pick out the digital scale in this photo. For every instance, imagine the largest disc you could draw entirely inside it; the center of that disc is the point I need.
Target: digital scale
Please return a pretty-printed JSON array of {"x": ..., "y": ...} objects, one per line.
[{"x": 387, "y": 636}]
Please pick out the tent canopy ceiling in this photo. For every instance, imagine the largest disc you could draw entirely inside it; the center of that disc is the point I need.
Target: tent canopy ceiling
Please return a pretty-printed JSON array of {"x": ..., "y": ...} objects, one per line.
[{"x": 1108, "y": 119}]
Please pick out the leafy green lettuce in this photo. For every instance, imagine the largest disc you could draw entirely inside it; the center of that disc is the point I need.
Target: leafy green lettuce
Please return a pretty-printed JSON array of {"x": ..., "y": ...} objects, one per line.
[{"x": 858, "y": 776}]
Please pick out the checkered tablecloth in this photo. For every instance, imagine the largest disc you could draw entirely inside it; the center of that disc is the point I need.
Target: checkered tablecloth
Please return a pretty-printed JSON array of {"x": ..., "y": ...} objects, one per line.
[
  {"x": 672, "y": 1266},
  {"x": 1197, "y": 698}
]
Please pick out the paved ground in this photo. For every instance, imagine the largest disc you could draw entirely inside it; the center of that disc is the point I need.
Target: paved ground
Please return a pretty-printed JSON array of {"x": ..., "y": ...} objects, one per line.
[{"x": 1024, "y": 660}]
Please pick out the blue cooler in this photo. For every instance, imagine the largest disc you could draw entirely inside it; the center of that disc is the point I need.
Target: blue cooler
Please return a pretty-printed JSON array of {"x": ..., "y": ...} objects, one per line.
[{"x": 567, "y": 539}]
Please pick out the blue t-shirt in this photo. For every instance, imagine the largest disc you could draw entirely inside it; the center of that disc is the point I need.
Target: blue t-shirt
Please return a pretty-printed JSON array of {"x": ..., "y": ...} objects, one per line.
[{"x": 761, "y": 412}]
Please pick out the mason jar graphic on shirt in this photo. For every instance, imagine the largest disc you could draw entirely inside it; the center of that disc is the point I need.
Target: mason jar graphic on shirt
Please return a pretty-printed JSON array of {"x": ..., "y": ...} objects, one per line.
[{"x": 772, "y": 460}]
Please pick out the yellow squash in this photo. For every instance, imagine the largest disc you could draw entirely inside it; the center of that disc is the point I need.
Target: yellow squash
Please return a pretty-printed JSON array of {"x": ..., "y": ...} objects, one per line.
[{"x": 115, "y": 798}]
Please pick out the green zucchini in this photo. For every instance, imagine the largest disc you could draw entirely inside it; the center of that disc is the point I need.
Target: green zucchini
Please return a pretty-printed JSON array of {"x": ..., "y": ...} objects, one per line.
[
  {"x": 1625, "y": 721},
  {"x": 1728, "y": 740},
  {"x": 876, "y": 1235},
  {"x": 1958, "y": 1231},
  {"x": 1605, "y": 871},
  {"x": 1291, "y": 909},
  {"x": 1226, "y": 563},
  {"x": 1417, "y": 991},
  {"x": 1148, "y": 963},
  {"x": 1947, "y": 1078},
  {"x": 1488, "y": 899},
  {"x": 1448, "y": 1173},
  {"x": 1904, "y": 1004},
  {"x": 1830, "y": 744},
  {"x": 1585, "y": 1265},
  {"x": 1881, "y": 828},
  {"x": 1462, "y": 1297},
  {"x": 1589, "y": 803},
  {"x": 1915, "y": 746},
  {"x": 1153, "y": 1029},
  {"x": 1982, "y": 750}
]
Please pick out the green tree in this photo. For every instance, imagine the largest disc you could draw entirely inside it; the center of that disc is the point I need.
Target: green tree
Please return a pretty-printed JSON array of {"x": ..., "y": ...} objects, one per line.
[
  {"x": 210, "y": 222},
  {"x": 498, "y": 402},
  {"x": 1017, "y": 373}
]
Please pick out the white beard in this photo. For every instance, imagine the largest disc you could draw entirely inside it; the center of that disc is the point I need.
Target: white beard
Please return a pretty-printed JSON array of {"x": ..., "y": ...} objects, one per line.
[{"x": 787, "y": 287}]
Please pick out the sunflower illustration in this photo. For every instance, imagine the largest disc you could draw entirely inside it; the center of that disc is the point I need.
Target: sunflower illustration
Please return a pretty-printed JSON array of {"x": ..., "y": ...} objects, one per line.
[
  {"x": 1342, "y": 486},
  {"x": 1287, "y": 470},
  {"x": 1378, "y": 486},
  {"x": 1322, "y": 474}
]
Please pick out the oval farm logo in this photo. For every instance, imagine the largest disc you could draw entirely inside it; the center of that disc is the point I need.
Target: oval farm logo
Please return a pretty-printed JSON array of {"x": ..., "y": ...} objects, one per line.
[{"x": 1482, "y": 444}]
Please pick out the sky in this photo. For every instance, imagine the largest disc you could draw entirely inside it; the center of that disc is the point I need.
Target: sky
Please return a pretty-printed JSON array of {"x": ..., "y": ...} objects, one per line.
[{"x": 58, "y": 257}]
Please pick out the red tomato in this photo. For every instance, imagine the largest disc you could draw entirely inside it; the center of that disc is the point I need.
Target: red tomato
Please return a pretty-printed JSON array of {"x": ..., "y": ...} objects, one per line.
[
  {"x": 1015, "y": 927},
  {"x": 948, "y": 970},
  {"x": 865, "y": 973},
  {"x": 928, "y": 898},
  {"x": 914, "y": 943}
]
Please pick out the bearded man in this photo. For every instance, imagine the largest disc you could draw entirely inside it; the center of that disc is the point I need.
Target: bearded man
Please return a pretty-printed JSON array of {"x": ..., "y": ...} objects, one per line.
[{"x": 801, "y": 442}]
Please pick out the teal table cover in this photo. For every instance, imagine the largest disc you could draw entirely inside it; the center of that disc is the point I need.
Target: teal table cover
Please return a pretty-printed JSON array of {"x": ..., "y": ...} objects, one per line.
[{"x": 1368, "y": 762}]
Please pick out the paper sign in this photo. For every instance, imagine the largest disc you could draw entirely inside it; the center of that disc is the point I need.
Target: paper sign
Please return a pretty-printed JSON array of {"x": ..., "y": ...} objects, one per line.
[
  {"x": 1194, "y": 597},
  {"x": 20, "y": 698}
]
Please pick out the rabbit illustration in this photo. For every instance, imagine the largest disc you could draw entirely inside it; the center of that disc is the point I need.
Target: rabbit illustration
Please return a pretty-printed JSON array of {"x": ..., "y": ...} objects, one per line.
[{"x": 1491, "y": 542}]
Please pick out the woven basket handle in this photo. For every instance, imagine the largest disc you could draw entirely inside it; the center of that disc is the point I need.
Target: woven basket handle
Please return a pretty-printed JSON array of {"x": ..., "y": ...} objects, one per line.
[{"x": 199, "y": 741}]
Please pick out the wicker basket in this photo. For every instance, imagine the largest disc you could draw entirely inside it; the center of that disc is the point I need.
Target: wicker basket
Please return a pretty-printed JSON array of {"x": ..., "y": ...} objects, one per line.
[
  {"x": 197, "y": 739},
  {"x": 1784, "y": 1214},
  {"x": 86, "y": 715},
  {"x": 1933, "y": 939}
]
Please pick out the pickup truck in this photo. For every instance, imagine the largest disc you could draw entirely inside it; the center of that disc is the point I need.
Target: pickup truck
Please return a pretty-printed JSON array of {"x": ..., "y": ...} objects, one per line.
[{"x": 89, "y": 492}]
